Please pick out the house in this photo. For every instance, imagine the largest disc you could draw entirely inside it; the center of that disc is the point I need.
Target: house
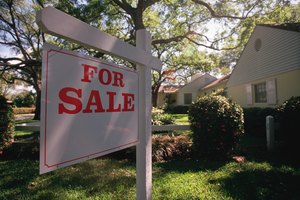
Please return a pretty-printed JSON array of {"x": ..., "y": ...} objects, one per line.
[
  {"x": 167, "y": 94},
  {"x": 214, "y": 86},
  {"x": 186, "y": 94},
  {"x": 268, "y": 71}
]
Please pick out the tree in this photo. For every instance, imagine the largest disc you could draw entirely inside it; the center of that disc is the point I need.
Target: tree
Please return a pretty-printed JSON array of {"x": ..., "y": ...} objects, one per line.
[
  {"x": 174, "y": 25},
  {"x": 4, "y": 88},
  {"x": 281, "y": 14},
  {"x": 19, "y": 32},
  {"x": 178, "y": 28}
]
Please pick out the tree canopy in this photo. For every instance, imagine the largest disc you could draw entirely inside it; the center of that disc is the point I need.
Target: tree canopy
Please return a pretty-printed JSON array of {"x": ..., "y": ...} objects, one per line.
[{"x": 182, "y": 35}]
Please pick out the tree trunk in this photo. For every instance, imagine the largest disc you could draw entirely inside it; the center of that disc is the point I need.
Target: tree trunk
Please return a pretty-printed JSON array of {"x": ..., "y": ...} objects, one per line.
[
  {"x": 37, "y": 105},
  {"x": 154, "y": 99},
  {"x": 155, "y": 89}
]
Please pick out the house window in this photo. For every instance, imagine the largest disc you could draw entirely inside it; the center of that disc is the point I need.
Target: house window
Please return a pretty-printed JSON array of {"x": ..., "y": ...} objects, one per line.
[
  {"x": 260, "y": 93},
  {"x": 187, "y": 98}
]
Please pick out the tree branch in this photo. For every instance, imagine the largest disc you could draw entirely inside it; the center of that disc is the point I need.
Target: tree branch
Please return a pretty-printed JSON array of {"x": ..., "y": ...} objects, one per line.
[
  {"x": 149, "y": 3},
  {"x": 173, "y": 39},
  {"x": 125, "y": 6},
  {"x": 213, "y": 13}
]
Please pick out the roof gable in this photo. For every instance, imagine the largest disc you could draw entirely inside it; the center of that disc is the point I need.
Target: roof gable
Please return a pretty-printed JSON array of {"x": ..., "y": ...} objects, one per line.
[
  {"x": 217, "y": 82},
  {"x": 269, "y": 51},
  {"x": 286, "y": 26},
  {"x": 199, "y": 82}
]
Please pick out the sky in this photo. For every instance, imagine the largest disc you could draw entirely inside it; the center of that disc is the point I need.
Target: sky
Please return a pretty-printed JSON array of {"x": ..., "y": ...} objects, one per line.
[{"x": 4, "y": 51}]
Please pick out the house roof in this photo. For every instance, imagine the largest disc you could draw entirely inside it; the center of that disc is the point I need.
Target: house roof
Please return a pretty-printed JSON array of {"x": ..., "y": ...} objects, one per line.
[
  {"x": 168, "y": 88},
  {"x": 271, "y": 50},
  {"x": 286, "y": 26},
  {"x": 195, "y": 78},
  {"x": 175, "y": 88},
  {"x": 219, "y": 81}
]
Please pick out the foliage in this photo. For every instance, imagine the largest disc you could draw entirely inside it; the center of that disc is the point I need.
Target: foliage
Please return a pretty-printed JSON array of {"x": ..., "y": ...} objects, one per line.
[
  {"x": 255, "y": 120},
  {"x": 177, "y": 109},
  {"x": 26, "y": 99},
  {"x": 216, "y": 124},
  {"x": 5, "y": 87},
  {"x": 161, "y": 118},
  {"x": 220, "y": 92},
  {"x": 166, "y": 148},
  {"x": 180, "y": 33},
  {"x": 289, "y": 120},
  {"x": 7, "y": 124},
  {"x": 20, "y": 34}
]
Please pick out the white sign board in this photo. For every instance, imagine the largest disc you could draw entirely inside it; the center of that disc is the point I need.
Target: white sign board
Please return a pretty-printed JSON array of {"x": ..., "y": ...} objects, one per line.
[{"x": 89, "y": 108}]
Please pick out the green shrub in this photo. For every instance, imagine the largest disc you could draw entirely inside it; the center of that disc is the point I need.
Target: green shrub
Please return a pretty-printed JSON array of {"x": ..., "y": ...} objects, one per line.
[
  {"x": 289, "y": 120},
  {"x": 177, "y": 109},
  {"x": 161, "y": 118},
  {"x": 216, "y": 124},
  {"x": 255, "y": 120},
  {"x": 7, "y": 124},
  {"x": 25, "y": 99}
]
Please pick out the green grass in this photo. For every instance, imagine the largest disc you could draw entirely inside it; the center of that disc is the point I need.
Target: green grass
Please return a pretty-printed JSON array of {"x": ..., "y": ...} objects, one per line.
[
  {"x": 113, "y": 179},
  {"x": 181, "y": 118},
  {"x": 21, "y": 134},
  {"x": 25, "y": 121},
  {"x": 262, "y": 176}
]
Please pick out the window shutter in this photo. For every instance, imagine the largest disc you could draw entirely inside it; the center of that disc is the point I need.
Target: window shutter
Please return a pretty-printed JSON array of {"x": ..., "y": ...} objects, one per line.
[
  {"x": 271, "y": 91},
  {"x": 249, "y": 94}
]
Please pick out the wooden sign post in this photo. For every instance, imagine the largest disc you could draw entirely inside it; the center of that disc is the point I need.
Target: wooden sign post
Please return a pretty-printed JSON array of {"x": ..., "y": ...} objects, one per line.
[{"x": 57, "y": 23}]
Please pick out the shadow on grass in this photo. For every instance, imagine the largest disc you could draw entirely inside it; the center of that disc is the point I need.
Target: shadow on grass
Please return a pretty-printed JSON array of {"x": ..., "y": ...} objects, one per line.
[
  {"x": 20, "y": 180},
  {"x": 260, "y": 184},
  {"x": 182, "y": 166}
]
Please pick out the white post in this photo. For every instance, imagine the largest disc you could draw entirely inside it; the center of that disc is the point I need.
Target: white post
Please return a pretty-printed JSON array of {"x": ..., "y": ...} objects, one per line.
[
  {"x": 270, "y": 132},
  {"x": 144, "y": 148}
]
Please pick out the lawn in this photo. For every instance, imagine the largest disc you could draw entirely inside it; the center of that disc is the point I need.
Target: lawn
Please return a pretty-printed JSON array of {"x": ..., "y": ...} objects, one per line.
[
  {"x": 181, "y": 119},
  {"x": 260, "y": 176},
  {"x": 115, "y": 179}
]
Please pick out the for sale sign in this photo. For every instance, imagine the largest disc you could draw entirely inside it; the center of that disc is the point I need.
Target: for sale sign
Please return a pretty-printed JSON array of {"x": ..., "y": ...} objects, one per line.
[{"x": 89, "y": 108}]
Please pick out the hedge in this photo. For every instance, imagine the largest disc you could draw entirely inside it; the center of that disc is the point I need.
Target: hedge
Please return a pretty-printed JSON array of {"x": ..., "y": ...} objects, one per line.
[{"x": 23, "y": 110}]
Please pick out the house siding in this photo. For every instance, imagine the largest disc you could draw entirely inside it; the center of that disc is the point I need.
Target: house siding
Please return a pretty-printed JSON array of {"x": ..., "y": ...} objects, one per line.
[
  {"x": 279, "y": 53},
  {"x": 287, "y": 85},
  {"x": 210, "y": 90},
  {"x": 193, "y": 88}
]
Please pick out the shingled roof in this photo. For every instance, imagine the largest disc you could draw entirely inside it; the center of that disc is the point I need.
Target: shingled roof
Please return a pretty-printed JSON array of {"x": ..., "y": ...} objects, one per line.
[
  {"x": 285, "y": 26},
  {"x": 217, "y": 82}
]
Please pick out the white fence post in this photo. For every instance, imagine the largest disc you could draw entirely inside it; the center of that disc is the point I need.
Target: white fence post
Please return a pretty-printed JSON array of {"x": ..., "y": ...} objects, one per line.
[
  {"x": 270, "y": 133},
  {"x": 144, "y": 148}
]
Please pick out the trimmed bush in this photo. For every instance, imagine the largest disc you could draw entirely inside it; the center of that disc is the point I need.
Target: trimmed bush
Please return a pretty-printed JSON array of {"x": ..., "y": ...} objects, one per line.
[
  {"x": 177, "y": 109},
  {"x": 166, "y": 148},
  {"x": 23, "y": 110},
  {"x": 255, "y": 120},
  {"x": 289, "y": 120},
  {"x": 216, "y": 124},
  {"x": 7, "y": 124}
]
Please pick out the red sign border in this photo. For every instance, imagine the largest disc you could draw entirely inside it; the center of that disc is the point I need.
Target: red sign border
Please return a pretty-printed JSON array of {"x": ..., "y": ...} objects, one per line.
[{"x": 101, "y": 153}]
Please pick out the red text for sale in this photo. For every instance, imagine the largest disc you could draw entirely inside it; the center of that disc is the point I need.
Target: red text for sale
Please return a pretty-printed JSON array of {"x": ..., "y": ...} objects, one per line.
[{"x": 71, "y": 99}]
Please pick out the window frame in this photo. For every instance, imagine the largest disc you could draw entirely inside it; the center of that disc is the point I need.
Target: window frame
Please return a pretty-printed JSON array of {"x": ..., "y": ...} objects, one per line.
[{"x": 260, "y": 92}]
